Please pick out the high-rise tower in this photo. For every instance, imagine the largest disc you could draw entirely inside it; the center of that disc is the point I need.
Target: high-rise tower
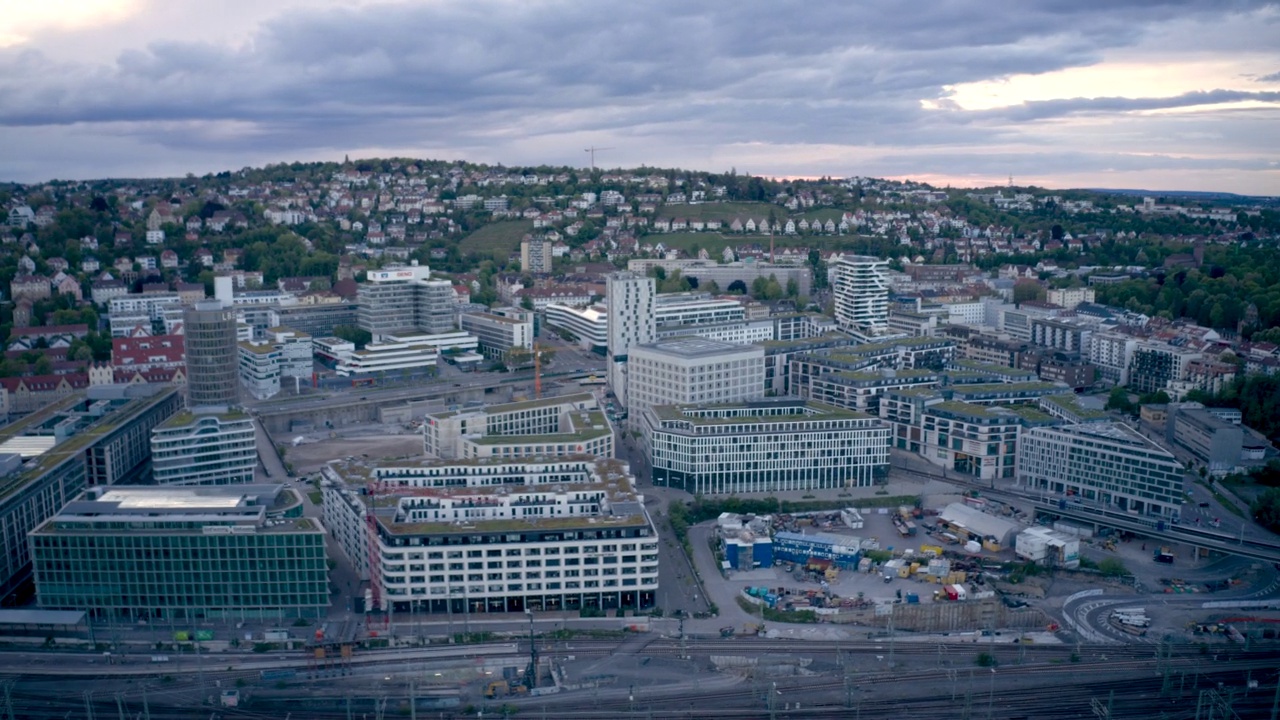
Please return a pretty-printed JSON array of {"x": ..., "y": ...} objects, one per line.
[
  {"x": 213, "y": 377},
  {"x": 861, "y": 296},
  {"x": 630, "y": 322}
]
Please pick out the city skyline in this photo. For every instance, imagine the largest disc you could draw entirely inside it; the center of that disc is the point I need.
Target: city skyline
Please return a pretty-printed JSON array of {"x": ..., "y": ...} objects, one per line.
[{"x": 1170, "y": 96}]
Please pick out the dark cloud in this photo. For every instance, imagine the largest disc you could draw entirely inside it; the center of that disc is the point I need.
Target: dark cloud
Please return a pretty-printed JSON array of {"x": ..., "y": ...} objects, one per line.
[
  {"x": 491, "y": 76},
  {"x": 1273, "y": 77}
]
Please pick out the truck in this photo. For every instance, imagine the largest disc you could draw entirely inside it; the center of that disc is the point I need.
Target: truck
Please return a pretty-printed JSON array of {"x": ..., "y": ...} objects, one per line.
[
  {"x": 1163, "y": 555},
  {"x": 502, "y": 688}
]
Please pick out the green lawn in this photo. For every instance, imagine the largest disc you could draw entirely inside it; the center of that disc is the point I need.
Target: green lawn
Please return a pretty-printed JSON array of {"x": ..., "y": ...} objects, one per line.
[
  {"x": 498, "y": 239},
  {"x": 723, "y": 211}
]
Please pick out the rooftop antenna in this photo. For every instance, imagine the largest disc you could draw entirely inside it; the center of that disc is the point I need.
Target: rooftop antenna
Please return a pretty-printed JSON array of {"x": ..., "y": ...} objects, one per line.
[
  {"x": 593, "y": 150},
  {"x": 1010, "y": 179}
]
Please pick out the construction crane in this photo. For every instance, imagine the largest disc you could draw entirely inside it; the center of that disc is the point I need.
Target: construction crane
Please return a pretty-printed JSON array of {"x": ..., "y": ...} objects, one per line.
[
  {"x": 537, "y": 371},
  {"x": 593, "y": 149}
]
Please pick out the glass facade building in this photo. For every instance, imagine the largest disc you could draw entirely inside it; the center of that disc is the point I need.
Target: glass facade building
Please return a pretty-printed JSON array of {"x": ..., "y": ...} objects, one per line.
[{"x": 147, "y": 553}]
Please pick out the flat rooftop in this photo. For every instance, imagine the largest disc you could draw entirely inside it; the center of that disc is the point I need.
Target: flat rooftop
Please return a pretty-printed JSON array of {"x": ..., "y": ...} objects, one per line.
[
  {"x": 184, "y": 508},
  {"x": 492, "y": 410},
  {"x": 696, "y": 347}
]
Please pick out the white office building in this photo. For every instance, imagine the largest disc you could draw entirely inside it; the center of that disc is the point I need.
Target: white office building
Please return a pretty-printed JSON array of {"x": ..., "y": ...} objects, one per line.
[
  {"x": 631, "y": 322},
  {"x": 688, "y": 370},
  {"x": 588, "y": 323},
  {"x": 773, "y": 445},
  {"x": 488, "y": 536},
  {"x": 549, "y": 427},
  {"x": 210, "y": 449},
  {"x": 861, "y": 296},
  {"x": 400, "y": 354},
  {"x": 1108, "y": 463}
]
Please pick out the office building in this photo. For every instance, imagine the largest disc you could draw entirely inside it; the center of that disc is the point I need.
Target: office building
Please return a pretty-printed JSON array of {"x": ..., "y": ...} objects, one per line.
[
  {"x": 741, "y": 332},
  {"x": 492, "y": 536},
  {"x": 93, "y": 438},
  {"x": 1109, "y": 463},
  {"x": 693, "y": 370},
  {"x": 204, "y": 449},
  {"x": 771, "y": 445},
  {"x": 546, "y": 427},
  {"x": 1217, "y": 443},
  {"x": 133, "y": 554},
  {"x": 630, "y": 322},
  {"x": 589, "y": 324},
  {"x": 400, "y": 354},
  {"x": 861, "y": 391},
  {"x": 500, "y": 330},
  {"x": 259, "y": 369},
  {"x": 725, "y": 274},
  {"x": 861, "y": 296},
  {"x": 405, "y": 299},
  {"x": 977, "y": 441},
  {"x": 535, "y": 254},
  {"x": 213, "y": 362}
]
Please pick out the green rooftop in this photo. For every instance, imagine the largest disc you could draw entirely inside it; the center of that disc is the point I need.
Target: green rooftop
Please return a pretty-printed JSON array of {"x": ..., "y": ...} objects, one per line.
[
  {"x": 978, "y": 389},
  {"x": 77, "y": 442},
  {"x": 1070, "y": 403}
]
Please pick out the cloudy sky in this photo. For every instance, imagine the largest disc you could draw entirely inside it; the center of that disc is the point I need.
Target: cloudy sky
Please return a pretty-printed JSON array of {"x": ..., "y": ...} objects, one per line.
[{"x": 1162, "y": 94}]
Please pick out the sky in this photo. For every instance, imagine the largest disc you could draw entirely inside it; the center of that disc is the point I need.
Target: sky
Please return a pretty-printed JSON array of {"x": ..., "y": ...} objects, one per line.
[{"x": 1154, "y": 94}]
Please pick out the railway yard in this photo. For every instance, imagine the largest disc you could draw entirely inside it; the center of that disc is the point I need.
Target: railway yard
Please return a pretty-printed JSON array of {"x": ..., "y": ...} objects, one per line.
[{"x": 923, "y": 622}]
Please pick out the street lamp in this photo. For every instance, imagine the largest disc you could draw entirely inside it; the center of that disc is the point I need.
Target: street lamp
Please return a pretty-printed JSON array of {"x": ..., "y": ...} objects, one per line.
[{"x": 991, "y": 693}]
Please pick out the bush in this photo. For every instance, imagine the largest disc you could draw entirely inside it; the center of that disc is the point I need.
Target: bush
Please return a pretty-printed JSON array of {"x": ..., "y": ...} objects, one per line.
[{"x": 1111, "y": 567}]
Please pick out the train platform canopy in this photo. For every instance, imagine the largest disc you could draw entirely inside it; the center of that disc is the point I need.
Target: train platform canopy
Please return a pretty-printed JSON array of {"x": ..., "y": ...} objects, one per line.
[{"x": 43, "y": 618}]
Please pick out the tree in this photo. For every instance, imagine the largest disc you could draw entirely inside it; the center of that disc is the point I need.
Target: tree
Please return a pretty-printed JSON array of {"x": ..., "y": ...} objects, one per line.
[
  {"x": 1119, "y": 400},
  {"x": 737, "y": 287},
  {"x": 353, "y": 334},
  {"x": 83, "y": 353},
  {"x": 43, "y": 366},
  {"x": 1025, "y": 290},
  {"x": 1266, "y": 509}
]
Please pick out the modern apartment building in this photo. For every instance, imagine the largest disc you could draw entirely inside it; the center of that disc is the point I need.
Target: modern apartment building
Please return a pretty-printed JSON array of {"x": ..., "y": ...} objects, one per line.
[
  {"x": 630, "y": 322},
  {"x": 131, "y": 554},
  {"x": 1069, "y": 298},
  {"x": 1111, "y": 352},
  {"x": 94, "y": 438},
  {"x": 1105, "y": 462},
  {"x": 493, "y": 536},
  {"x": 690, "y": 370},
  {"x": 861, "y": 295},
  {"x": 772, "y": 445},
  {"x": 1061, "y": 334},
  {"x": 547, "y": 427},
  {"x": 1155, "y": 365},
  {"x": 204, "y": 449},
  {"x": 213, "y": 358}
]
